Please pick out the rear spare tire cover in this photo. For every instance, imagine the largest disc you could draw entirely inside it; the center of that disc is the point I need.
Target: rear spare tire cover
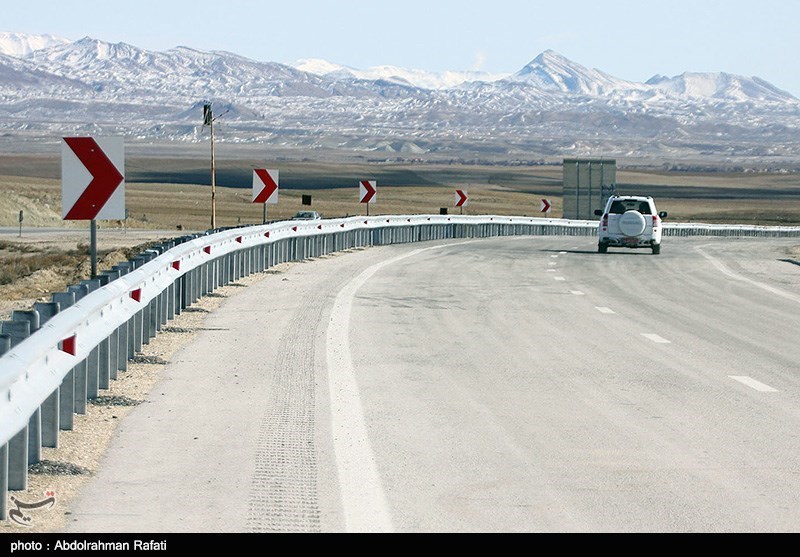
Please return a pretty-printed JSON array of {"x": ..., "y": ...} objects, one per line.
[{"x": 632, "y": 223}]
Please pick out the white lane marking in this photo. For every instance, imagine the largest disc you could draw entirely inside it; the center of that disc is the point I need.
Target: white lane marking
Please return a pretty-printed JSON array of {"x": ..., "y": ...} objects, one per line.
[
  {"x": 607, "y": 311},
  {"x": 553, "y": 263},
  {"x": 562, "y": 253},
  {"x": 560, "y": 279},
  {"x": 723, "y": 269},
  {"x": 655, "y": 338},
  {"x": 753, "y": 384},
  {"x": 554, "y": 256},
  {"x": 577, "y": 293},
  {"x": 364, "y": 502},
  {"x": 551, "y": 271}
]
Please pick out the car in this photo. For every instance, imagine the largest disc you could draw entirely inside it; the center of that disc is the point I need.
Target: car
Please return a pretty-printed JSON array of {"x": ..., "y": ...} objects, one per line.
[
  {"x": 307, "y": 215},
  {"x": 630, "y": 222}
]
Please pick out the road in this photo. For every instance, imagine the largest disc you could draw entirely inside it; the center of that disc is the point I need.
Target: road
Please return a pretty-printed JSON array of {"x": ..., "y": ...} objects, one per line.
[{"x": 512, "y": 384}]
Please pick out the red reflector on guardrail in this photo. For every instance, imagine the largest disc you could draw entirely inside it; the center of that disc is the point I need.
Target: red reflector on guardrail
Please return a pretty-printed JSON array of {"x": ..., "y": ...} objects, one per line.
[
  {"x": 68, "y": 345},
  {"x": 176, "y": 265},
  {"x": 207, "y": 249},
  {"x": 266, "y": 234},
  {"x": 137, "y": 294},
  {"x": 239, "y": 239},
  {"x": 294, "y": 228},
  {"x": 319, "y": 227}
]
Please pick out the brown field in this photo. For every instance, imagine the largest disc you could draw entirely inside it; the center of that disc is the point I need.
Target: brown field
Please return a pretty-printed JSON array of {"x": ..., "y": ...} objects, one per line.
[{"x": 170, "y": 194}]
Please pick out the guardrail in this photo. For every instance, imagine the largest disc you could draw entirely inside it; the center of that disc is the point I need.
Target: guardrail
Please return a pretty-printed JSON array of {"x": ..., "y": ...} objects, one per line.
[{"x": 61, "y": 354}]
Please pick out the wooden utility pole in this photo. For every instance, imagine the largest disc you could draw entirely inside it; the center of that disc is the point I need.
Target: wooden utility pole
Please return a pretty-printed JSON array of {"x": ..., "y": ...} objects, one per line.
[
  {"x": 213, "y": 179},
  {"x": 208, "y": 120}
]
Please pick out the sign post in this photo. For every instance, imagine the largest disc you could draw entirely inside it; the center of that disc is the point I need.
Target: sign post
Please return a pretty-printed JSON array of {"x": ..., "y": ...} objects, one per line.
[
  {"x": 367, "y": 190},
  {"x": 20, "y": 222},
  {"x": 265, "y": 188},
  {"x": 93, "y": 183},
  {"x": 462, "y": 199}
]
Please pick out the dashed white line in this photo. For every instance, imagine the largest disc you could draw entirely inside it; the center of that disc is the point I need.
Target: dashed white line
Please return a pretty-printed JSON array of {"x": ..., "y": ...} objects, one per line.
[
  {"x": 577, "y": 293},
  {"x": 551, "y": 271},
  {"x": 560, "y": 279},
  {"x": 554, "y": 256},
  {"x": 605, "y": 310},
  {"x": 553, "y": 263},
  {"x": 753, "y": 384},
  {"x": 562, "y": 253},
  {"x": 655, "y": 338}
]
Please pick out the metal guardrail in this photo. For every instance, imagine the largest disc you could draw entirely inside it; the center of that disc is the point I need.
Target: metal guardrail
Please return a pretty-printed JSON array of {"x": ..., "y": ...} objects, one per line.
[{"x": 61, "y": 354}]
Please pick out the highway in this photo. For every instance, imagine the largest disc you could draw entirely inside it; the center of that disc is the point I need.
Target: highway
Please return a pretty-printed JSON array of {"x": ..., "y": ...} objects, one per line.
[{"x": 496, "y": 385}]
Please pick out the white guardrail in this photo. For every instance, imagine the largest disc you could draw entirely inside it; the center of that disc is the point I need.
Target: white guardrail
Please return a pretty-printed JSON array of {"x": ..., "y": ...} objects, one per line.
[{"x": 61, "y": 354}]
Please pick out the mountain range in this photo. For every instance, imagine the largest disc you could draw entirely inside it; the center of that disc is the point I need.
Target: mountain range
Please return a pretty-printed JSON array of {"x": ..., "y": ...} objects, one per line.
[{"x": 550, "y": 108}]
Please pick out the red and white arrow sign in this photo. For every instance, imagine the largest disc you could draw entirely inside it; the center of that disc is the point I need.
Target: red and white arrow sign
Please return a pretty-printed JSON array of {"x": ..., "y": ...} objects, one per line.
[
  {"x": 546, "y": 206},
  {"x": 265, "y": 186},
  {"x": 367, "y": 190},
  {"x": 92, "y": 178},
  {"x": 461, "y": 198}
]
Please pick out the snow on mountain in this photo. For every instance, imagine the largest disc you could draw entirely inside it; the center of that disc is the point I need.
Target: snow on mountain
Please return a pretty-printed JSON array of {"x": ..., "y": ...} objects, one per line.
[
  {"x": 126, "y": 69},
  {"x": 416, "y": 78},
  {"x": 552, "y": 71},
  {"x": 723, "y": 86},
  {"x": 551, "y": 107},
  {"x": 21, "y": 45}
]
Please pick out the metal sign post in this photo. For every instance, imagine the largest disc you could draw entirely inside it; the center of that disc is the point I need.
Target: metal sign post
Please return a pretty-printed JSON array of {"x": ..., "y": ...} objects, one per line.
[
  {"x": 93, "y": 247},
  {"x": 20, "y": 223}
]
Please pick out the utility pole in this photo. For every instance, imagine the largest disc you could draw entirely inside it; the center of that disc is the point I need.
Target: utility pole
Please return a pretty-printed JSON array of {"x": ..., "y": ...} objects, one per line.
[{"x": 208, "y": 120}]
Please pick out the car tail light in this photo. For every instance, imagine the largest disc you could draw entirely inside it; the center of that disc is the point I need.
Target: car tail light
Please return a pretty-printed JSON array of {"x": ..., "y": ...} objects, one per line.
[
  {"x": 656, "y": 221},
  {"x": 605, "y": 221}
]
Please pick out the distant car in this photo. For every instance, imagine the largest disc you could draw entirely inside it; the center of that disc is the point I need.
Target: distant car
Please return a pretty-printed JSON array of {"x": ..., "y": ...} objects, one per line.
[
  {"x": 630, "y": 222},
  {"x": 307, "y": 215}
]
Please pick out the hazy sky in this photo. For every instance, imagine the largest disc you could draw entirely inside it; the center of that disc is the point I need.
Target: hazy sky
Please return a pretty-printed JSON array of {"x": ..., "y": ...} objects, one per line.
[{"x": 631, "y": 39}]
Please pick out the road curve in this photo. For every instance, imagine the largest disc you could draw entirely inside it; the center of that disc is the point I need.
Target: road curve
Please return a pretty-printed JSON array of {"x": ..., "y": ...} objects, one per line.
[{"x": 509, "y": 384}]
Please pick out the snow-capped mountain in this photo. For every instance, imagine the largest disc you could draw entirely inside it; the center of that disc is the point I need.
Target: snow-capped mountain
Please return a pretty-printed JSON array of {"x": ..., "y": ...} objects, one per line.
[
  {"x": 20, "y": 45},
  {"x": 723, "y": 86},
  {"x": 415, "y": 78},
  {"x": 551, "y": 71},
  {"x": 551, "y": 107}
]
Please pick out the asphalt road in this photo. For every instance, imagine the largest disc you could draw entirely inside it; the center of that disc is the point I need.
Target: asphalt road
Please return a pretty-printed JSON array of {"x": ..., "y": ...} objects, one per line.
[{"x": 515, "y": 384}]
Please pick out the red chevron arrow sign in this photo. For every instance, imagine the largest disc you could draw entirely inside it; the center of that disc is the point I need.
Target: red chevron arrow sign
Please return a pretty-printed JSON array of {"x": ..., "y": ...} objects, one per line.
[
  {"x": 367, "y": 190},
  {"x": 92, "y": 178},
  {"x": 461, "y": 198},
  {"x": 265, "y": 186},
  {"x": 546, "y": 206}
]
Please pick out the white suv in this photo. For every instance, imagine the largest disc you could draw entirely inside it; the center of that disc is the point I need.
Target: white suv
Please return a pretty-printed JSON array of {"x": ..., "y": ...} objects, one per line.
[{"x": 630, "y": 222}]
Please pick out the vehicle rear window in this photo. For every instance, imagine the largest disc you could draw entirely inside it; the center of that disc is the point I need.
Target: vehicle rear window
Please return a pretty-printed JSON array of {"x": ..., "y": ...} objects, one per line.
[{"x": 622, "y": 206}]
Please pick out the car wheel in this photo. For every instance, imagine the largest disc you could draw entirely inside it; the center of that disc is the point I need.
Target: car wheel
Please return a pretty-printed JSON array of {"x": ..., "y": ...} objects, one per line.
[
  {"x": 656, "y": 249},
  {"x": 602, "y": 248}
]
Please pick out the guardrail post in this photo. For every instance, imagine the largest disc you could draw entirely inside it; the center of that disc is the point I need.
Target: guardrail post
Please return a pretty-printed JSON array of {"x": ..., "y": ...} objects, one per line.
[
  {"x": 5, "y": 346},
  {"x": 98, "y": 357},
  {"x": 18, "y": 461},
  {"x": 66, "y": 407},
  {"x": 118, "y": 338},
  {"x": 126, "y": 329},
  {"x": 51, "y": 406},
  {"x": 81, "y": 370},
  {"x": 3, "y": 482},
  {"x": 27, "y": 444}
]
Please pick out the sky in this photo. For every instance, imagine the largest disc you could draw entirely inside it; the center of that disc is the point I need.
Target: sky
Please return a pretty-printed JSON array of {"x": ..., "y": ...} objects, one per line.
[{"x": 629, "y": 39}]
